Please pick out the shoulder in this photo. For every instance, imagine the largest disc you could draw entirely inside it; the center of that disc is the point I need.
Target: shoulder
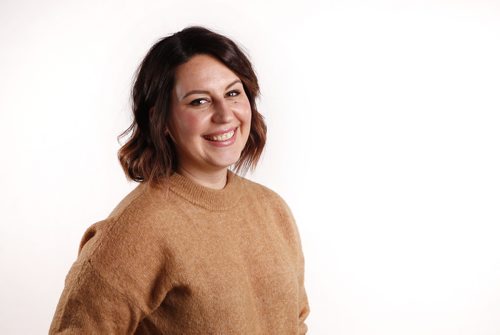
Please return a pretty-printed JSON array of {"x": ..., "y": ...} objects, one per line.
[
  {"x": 130, "y": 240},
  {"x": 275, "y": 210},
  {"x": 265, "y": 195},
  {"x": 257, "y": 189},
  {"x": 272, "y": 203},
  {"x": 127, "y": 250},
  {"x": 133, "y": 223},
  {"x": 143, "y": 203}
]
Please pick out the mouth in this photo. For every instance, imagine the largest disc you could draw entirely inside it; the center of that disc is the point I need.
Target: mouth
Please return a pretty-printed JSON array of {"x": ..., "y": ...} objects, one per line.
[{"x": 221, "y": 137}]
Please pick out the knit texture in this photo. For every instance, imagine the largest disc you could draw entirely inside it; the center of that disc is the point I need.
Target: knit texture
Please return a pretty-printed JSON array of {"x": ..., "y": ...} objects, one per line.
[{"x": 185, "y": 259}]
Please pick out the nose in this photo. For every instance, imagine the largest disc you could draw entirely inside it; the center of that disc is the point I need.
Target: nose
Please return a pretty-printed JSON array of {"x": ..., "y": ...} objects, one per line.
[{"x": 222, "y": 112}]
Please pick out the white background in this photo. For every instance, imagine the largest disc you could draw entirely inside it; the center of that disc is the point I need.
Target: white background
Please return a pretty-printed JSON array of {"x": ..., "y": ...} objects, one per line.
[{"x": 384, "y": 139}]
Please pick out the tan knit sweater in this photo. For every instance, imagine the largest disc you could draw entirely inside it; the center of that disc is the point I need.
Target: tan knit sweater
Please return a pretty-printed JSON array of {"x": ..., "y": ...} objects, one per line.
[{"x": 185, "y": 259}]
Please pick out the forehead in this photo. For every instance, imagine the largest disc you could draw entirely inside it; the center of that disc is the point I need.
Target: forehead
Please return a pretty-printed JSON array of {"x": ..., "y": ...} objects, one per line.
[{"x": 202, "y": 71}]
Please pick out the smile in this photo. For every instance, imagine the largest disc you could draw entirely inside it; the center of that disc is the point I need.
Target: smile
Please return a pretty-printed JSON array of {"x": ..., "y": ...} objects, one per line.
[{"x": 221, "y": 137}]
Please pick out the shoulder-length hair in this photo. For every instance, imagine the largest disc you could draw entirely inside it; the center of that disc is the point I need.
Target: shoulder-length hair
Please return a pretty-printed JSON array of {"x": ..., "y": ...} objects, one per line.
[{"x": 149, "y": 155}]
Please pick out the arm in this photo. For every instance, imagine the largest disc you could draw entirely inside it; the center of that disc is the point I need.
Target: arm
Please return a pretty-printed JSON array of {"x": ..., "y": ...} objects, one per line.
[
  {"x": 117, "y": 279},
  {"x": 303, "y": 301},
  {"x": 90, "y": 305},
  {"x": 294, "y": 236}
]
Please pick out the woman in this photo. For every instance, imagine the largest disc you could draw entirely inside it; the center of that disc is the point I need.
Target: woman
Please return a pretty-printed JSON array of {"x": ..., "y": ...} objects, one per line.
[{"x": 194, "y": 248}]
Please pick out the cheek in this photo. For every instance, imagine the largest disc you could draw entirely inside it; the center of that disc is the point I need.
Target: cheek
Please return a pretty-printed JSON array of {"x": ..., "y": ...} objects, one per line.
[
  {"x": 248, "y": 118},
  {"x": 189, "y": 124},
  {"x": 245, "y": 113},
  {"x": 245, "y": 117}
]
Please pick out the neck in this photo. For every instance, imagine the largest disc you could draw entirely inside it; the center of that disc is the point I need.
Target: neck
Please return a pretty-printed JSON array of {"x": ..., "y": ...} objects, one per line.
[{"x": 214, "y": 179}]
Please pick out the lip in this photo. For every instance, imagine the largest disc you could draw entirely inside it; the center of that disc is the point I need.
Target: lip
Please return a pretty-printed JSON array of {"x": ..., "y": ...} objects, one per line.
[
  {"x": 225, "y": 143},
  {"x": 220, "y": 132}
]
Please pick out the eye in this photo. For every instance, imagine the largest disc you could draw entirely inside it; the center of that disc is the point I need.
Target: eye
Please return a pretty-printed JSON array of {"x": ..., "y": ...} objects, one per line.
[
  {"x": 198, "y": 102},
  {"x": 233, "y": 93}
]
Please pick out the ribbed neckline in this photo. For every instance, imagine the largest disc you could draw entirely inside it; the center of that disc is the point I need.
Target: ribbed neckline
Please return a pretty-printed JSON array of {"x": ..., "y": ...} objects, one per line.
[{"x": 206, "y": 197}]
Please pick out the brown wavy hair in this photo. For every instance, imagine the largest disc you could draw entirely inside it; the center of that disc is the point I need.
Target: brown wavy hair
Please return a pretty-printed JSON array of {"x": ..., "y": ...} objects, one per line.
[{"x": 149, "y": 155}]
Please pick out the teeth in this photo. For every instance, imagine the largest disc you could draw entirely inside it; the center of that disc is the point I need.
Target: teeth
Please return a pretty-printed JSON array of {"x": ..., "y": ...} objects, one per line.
[{"x": 222, "y": 137}]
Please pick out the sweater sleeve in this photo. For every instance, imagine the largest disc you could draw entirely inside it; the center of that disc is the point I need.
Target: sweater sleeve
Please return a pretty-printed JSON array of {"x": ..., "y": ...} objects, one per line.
[
  {"x": 116, "y": 281},
  {"x": 90, "y": 305},
  {"x": 303, "y": 302}
]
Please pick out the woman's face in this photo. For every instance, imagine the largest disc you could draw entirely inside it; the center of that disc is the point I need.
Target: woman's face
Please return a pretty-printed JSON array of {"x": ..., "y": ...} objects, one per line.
[{"x": 211, "y": 115}]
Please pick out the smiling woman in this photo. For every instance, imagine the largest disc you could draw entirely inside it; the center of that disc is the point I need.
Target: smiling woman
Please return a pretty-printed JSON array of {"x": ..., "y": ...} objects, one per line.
[
  {"x": 194, "y": 248},
  {"x": 210, "y": 123},
  {"x": 179, "y": 79}
]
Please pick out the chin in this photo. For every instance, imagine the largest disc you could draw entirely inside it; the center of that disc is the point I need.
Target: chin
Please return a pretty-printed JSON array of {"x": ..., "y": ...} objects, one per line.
[{"x": 225, "y": 162}]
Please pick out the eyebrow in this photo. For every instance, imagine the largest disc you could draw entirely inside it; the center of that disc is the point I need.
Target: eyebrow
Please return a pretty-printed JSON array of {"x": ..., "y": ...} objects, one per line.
[{"x": 206, "y": 92}]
